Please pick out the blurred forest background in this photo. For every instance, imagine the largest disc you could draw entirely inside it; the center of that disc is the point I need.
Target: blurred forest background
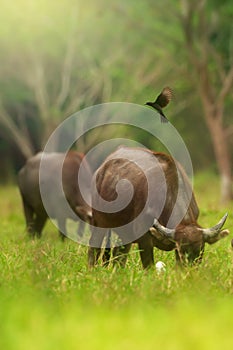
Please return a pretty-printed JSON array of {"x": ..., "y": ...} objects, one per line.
[{"x": 58, "y": 57}]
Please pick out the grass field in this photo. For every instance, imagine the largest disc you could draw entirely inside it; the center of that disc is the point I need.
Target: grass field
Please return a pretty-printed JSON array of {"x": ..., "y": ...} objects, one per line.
[{"x": 50, "y": 300}]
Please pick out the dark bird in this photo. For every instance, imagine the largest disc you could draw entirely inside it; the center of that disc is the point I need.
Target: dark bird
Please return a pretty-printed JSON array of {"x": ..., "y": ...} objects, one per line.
[{"x": 162, "y": 101}]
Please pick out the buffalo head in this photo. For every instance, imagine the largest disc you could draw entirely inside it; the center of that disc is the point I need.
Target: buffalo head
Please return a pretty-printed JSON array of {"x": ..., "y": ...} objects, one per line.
[{"x": 187, "y": 240}]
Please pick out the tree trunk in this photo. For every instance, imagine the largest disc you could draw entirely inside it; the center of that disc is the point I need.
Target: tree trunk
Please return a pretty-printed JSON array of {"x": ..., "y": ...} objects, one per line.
[
  {"x": 213, "y": 88},
  {"x": 222, "y": 157}
]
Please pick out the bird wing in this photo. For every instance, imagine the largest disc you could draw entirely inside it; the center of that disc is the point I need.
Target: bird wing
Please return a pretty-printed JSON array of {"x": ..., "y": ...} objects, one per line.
[{"x": 165, "y": 97}]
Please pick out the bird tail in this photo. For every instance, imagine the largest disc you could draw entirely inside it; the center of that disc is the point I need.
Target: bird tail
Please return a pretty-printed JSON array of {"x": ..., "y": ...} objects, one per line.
[{"x": 163, "y": 119}]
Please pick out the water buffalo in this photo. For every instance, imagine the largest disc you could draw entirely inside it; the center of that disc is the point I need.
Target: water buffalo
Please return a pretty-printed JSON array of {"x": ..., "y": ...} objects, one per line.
[
  {"x": 167, "y": 220},
  {"x": 30, "y": 190}
]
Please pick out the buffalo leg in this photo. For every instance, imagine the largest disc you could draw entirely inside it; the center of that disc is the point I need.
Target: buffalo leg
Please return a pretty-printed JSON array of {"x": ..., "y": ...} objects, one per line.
[
  {"x": 146, "y": 250},
  {"x": 81, "y": 227},
  {"x": 120, "y": 254},
  {"x": 107, "y": 251},
  {"x": 29, "y": 217},
  {"x": 39, "y": 224},
  {"x": 95, "y": 244},
  {"x": 61, "y": 222}
]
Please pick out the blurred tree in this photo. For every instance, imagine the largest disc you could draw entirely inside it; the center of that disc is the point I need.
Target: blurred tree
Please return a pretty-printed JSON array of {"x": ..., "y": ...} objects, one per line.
[
  {"x": 60, "y": 57},
  {"x": 71, "y": 55},
  {"x": 208, "y": 35},
  {"x": 19, "y": 135}
]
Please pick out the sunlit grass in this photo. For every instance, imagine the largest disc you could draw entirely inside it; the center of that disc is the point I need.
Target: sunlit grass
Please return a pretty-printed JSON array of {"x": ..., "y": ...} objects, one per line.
[{"x": 50, "y": 300}]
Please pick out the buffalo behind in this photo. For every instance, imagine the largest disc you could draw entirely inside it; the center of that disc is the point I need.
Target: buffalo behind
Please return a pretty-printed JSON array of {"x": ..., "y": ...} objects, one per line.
[{"x": 29, "y": 185}]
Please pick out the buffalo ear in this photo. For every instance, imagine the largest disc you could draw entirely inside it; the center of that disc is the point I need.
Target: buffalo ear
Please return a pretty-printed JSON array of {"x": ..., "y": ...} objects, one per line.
[
  {"x": 83, "y": 213},
  {"x": 213, "y": 239},
  {"x": 80, "y": 210}
]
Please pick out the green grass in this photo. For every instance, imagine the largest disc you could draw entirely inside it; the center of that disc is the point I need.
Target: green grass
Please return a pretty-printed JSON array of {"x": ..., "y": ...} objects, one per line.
[{"x": 50, "y": 300}]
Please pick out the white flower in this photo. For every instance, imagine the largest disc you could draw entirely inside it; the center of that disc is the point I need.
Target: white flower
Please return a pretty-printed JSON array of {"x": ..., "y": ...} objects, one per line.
[{"x": 160, "y": 267}]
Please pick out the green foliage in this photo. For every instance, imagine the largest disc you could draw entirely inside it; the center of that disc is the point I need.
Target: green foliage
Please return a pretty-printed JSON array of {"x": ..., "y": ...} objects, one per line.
[
  {"x": 49, "y": 299},
  {"x": 221, "y": 33},
  {"x": 62, "y": 57}
]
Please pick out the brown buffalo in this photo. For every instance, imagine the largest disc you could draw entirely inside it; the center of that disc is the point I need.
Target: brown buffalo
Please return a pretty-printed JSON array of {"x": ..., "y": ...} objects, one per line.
[
  {"x": 167, "y": 220},
  {"x": 30, "y": 189}
]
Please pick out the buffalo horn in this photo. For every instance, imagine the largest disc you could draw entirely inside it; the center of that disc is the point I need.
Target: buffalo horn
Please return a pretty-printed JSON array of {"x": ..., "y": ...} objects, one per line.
[
  {"x": 213, "y": 231},
  {"x": 167, "y": 232}
]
